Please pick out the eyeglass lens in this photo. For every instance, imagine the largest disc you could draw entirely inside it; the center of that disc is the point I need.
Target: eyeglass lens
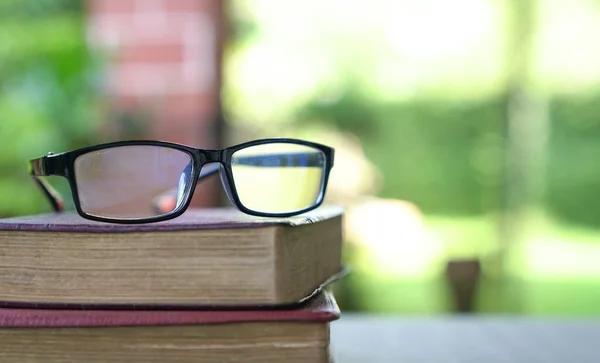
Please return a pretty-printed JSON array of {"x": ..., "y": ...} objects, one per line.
[
  {"x": 127, "y": 182},
  {"x": 278, "y": 177}
]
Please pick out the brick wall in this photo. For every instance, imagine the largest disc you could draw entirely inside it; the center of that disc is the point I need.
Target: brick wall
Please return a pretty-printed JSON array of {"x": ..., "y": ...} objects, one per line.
[{"x": 164, "y": 59}]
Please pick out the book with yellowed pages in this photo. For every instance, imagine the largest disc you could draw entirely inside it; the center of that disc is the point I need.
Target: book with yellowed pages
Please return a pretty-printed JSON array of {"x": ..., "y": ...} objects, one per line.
[
  {"x": 297, "y": 335},
  {"x": 206, "y": 257}
]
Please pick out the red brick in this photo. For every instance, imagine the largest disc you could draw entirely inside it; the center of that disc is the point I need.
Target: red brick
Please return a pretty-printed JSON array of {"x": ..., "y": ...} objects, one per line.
[
  {"x": 185, "y": 118},
  {"x": 153, "y": 79},
  {"x": 188, "y": 5},
  {"x": 151, "y": 5},
  {"x": 110, "y": 6},
  {"x": 188, "y": 103},
  {"x": 150, "y": 28},
  {"x": 157, "y": 54}
]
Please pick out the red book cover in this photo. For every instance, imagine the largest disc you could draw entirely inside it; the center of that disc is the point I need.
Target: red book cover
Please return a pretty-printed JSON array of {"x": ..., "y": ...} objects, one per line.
[{"x": 320, "y": 308}]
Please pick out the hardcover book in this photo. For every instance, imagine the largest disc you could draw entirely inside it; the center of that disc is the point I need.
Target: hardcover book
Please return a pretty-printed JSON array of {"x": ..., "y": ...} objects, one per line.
[
  {"x": 206, "y": 257},
  {"x": 295, "y": 335}
]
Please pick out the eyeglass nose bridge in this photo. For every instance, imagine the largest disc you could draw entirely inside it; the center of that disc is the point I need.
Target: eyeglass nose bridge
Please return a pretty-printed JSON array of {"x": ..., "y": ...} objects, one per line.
[
  {"x": 212, "y": 156},
  {"x": 213, "y": 161}
]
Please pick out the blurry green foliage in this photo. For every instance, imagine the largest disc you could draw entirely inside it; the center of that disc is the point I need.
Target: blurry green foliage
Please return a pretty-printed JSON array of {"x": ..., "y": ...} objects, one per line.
[
  {"x": 47, "y": 95},
  {"x": 448, "y": 157},
  {"x": 444, "y": 156},
  {"x": 573, "y": 177}
]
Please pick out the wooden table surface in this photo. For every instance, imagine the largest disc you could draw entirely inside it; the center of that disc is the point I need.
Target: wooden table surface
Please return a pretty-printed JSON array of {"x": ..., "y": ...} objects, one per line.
[{"x": 381, "y": 339}]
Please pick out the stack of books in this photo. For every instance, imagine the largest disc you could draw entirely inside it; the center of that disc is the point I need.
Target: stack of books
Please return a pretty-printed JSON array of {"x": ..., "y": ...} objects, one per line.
[{"x": 214, "y": 285}]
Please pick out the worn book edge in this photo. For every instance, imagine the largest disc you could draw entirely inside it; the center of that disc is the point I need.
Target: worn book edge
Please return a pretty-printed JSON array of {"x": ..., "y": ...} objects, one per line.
[{"x": 192, "y": 219}]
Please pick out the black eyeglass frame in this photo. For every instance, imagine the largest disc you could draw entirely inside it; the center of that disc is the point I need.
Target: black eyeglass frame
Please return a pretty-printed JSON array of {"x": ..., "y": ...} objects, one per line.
[{"x": 63, "y": 164}]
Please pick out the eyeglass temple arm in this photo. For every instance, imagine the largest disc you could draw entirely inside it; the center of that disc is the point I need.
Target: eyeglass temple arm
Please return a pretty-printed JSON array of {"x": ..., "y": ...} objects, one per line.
[{"x": 43, "y": 167}]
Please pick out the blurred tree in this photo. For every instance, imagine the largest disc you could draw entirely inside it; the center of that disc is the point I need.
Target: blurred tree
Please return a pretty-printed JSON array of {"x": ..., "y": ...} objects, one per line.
[{"x": 47, "y": 96}]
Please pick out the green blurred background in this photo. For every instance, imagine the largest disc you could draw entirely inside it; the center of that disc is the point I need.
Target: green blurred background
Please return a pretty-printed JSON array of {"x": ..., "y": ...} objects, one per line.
[{"x": 466, "y": 134}]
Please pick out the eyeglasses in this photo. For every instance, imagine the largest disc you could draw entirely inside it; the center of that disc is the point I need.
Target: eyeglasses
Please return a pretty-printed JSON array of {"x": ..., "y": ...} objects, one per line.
[{"x": 151, "y": 181}]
